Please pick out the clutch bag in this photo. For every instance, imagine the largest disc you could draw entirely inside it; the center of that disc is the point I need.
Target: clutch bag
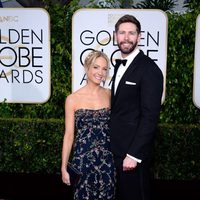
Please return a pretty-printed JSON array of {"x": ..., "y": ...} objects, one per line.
[{"x": 74, "y": 174}]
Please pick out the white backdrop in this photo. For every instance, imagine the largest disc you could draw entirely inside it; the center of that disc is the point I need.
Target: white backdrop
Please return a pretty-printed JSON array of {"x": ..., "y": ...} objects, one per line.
[
  {"x": 93, "y": 29},
  {"x": 196, "y": 83},
  {"x": 24, "y": 55}
]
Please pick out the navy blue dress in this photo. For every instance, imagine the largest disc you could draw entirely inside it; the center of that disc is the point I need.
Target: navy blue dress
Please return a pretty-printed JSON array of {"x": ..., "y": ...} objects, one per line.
[{"x": 92, "y": 155}]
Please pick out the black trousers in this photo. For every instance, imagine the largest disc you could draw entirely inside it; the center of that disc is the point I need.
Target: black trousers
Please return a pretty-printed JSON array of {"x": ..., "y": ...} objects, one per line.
[{"x": 134, "y": 184}]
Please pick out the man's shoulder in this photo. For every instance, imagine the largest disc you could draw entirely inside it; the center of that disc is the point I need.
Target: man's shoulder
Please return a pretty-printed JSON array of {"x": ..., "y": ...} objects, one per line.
[
  {"x": 143, "y": 60},
  {"x": 147, "y": 64}
]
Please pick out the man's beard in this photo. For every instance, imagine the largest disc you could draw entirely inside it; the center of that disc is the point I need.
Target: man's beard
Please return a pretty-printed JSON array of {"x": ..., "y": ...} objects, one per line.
[{"x": 127, "y": 51}]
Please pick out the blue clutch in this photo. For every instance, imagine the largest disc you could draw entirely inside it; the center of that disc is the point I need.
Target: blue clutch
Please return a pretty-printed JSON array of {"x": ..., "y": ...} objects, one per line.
[{"x": 74, "y": 174}]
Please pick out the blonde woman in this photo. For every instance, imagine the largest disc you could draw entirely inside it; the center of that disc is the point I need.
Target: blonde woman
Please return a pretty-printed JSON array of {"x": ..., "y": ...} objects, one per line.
[{"x": 88, "y": 112}]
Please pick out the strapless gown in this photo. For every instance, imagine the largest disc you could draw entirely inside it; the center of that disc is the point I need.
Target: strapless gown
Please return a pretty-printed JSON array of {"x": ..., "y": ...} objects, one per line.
[{"x": 92, "y": 155}]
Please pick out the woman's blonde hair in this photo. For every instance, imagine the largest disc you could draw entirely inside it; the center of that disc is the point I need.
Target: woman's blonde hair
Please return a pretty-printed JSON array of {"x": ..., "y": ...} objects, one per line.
[{"x": 92, "y": 56}]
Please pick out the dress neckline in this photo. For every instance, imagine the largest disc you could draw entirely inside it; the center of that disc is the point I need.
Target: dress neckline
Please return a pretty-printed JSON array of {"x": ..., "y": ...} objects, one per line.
[{"x": 91, "y": 109}]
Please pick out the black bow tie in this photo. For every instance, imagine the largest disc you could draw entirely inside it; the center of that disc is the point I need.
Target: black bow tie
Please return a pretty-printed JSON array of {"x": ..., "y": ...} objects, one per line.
[{"x": 119, "y": 62}]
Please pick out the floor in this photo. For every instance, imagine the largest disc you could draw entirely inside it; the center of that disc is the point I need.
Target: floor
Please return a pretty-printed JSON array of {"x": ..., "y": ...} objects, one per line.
[{"x": 50, "y": 187}]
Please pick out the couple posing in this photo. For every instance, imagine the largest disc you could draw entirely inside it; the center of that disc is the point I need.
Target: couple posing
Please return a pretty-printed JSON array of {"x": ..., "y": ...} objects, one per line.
[{"x": 111, "y": 133}]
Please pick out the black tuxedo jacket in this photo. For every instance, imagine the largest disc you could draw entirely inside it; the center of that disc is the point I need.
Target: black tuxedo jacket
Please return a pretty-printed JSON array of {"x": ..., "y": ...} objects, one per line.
[{"x": 135, "y": 108}]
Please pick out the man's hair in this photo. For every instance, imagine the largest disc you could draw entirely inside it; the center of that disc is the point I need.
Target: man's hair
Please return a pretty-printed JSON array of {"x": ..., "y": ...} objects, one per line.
[{"x": 129, "y": 19}]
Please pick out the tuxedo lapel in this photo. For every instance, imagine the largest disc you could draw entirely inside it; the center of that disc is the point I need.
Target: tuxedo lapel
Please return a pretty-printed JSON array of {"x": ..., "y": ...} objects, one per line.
[{"x": 113, "y": 80}]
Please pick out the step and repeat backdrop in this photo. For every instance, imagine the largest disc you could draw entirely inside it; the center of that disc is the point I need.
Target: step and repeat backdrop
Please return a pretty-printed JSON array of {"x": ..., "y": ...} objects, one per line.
[
  {"x": 25, "y": 67},
  {"x": 94, "y": 29},
  {"x": 24, "y": 55}
]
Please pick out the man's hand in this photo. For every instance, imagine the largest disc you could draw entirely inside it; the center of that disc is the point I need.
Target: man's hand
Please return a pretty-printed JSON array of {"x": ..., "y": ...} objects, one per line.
[{"x": 129, "y": 164}]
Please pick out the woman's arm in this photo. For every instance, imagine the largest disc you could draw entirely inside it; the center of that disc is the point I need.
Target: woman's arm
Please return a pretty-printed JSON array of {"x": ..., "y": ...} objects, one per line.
[{"x": 68, "y": 137}]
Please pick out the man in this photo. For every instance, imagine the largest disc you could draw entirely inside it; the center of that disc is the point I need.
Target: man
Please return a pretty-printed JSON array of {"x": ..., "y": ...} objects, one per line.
[{"x": 135, "y": 105}]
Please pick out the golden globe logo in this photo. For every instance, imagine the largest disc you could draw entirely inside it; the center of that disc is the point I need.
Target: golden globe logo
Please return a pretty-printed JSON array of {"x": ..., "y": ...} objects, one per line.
[
  {"x": 24, "y": 56},
  {"x": 18, "y": 51},
  {"x": 98, "y": 34}
]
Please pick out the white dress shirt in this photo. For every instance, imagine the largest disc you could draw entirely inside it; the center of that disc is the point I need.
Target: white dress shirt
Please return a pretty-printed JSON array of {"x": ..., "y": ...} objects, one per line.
[{"x": 120, "y": 72}]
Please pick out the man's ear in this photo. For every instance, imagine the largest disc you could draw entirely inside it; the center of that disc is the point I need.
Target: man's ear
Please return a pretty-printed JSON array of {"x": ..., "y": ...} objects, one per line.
[
  {"x": 114, "y": 37},
  {"x": 139, "y": 37}
]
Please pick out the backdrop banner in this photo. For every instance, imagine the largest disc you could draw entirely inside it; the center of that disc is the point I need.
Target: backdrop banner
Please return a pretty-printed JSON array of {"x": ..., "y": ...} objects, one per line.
[
  {"x": 24, "y": 55},
  {"x": 196, "y": 79},
  {"x": 94, "y": 29}
]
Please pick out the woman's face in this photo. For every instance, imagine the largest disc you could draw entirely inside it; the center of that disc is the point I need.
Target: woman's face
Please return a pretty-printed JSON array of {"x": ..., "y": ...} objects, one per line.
[{"x": 97, "y": 71}]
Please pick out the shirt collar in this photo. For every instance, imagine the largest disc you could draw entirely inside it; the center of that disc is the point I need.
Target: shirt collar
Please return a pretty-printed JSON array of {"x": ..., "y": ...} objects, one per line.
[{"x": 131, "y": 56}]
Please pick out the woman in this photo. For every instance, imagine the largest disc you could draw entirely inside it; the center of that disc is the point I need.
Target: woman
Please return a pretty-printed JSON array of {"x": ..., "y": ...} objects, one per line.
[{"x": 88, "y": 111}]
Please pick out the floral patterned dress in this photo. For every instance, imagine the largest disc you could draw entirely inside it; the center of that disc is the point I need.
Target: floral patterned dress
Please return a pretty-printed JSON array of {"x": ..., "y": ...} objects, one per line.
[{"x": 92, "y": 155}]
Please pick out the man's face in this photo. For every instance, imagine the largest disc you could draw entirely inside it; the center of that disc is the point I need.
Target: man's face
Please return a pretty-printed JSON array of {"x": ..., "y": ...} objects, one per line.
[{"x": 127, "y": 38}]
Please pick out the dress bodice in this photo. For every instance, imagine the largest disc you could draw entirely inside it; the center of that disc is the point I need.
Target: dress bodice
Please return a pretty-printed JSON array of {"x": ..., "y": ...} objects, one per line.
[
  {"x": 92, "y": 128},
  {"x": 88, "y": 118}
]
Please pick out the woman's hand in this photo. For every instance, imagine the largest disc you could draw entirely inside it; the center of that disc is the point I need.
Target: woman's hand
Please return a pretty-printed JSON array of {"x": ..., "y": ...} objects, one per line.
[{"x": 65, "y": 177}]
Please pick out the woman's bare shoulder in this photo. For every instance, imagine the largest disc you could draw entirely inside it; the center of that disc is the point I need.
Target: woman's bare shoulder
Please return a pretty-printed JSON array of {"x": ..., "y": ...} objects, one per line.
[
  {"x": 69, "y": 101},
  {"x": 75, "y": 95},
  {"x": 73, "y": 99}
]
